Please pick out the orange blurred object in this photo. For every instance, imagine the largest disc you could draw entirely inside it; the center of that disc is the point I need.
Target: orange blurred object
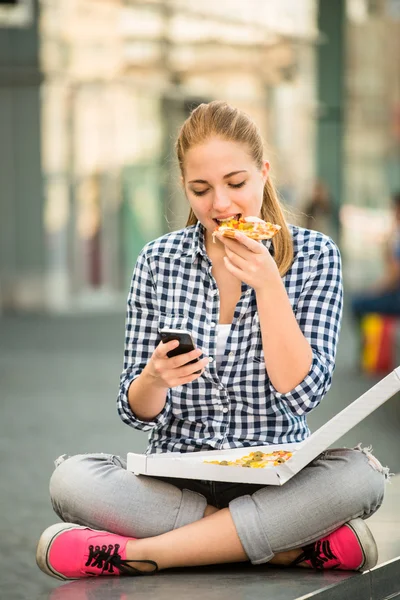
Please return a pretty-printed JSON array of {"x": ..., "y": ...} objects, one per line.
[{"x": 378, "y": 350}]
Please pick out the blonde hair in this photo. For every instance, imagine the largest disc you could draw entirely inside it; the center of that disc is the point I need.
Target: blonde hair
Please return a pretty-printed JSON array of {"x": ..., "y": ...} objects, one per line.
[{"x": 220, "y": 119}]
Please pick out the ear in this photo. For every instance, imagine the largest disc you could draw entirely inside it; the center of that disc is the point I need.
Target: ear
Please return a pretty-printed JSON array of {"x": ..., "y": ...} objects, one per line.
[
  {"x": 265, "y": 171},
  {"x": 182, "y": 182}
]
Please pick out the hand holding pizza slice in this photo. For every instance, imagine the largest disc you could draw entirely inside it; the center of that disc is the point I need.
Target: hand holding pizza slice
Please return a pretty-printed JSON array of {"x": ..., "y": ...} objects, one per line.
[
  {"x": 245, "y": 257},
  {"x": 252, "y": 227}
]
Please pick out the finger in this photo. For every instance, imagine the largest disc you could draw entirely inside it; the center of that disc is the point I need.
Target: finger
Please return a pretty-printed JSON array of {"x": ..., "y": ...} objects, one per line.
[
  {"x": 178, "y": 361},
  {"x": 185, "y": 380},
  {"x": 242, "y": 245},
  {"x": 188, "y": 378},
  {"x": 188, "y": 370},
  {"x": 253, "y": 245},
  {"x": 236, "y": 247},
  {"x": 184, "y": 372},
  {"x": 234, "y": 270},
  {"x": 227, "y": 241},
  {"x": 237, "y": 260},
  {"x": 164, "y": 347}
]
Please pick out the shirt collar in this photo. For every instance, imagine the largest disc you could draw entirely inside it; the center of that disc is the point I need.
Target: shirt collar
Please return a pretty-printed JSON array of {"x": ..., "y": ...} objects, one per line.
[{"x": 198, "y": 243}]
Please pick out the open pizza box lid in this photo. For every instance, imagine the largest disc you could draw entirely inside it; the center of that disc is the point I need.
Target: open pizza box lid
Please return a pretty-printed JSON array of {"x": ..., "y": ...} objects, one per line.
[{"x": 191, "y": 465}]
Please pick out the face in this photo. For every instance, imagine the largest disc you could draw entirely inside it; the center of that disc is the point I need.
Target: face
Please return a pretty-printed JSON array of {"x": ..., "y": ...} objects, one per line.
[{"x": 221, "y": 180}]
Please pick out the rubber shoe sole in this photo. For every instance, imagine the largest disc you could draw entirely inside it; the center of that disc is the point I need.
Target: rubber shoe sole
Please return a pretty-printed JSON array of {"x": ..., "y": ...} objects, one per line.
[
  {"x": 44, "y": 547},
  {"x": 367, "y": 543}
]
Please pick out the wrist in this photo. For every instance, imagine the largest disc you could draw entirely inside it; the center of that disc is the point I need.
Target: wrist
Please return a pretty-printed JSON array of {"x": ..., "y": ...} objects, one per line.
[
  {"x": 151, "y": 378},
  {"x": 272, "y": 283}
]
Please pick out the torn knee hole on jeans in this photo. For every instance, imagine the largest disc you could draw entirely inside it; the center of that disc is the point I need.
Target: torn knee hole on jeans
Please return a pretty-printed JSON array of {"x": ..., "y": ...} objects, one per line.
[
  {"x": 374, "y": 462},
  {"x": 60, "y": 460}
]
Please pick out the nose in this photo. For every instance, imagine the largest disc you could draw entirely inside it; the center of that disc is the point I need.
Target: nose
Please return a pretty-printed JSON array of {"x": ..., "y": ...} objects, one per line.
[{"x": 221, "y": 200}]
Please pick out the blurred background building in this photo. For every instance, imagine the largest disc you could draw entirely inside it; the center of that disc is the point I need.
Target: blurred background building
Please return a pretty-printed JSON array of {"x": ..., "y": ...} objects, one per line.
[{"x": 92, "y": 93}]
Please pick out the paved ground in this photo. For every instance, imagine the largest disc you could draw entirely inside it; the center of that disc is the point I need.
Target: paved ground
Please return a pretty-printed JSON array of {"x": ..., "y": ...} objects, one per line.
[{"x": 58, "y": 383}]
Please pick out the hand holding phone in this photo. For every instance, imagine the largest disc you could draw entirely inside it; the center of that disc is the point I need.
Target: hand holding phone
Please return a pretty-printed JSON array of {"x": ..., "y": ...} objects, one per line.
[{"x": 176, "y": 360}]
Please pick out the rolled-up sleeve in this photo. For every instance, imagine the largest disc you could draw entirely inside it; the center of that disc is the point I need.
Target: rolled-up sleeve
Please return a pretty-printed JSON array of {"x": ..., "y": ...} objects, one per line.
[
  {"x": 141, "y": 338},
  {"x": 319, "y": 314}
]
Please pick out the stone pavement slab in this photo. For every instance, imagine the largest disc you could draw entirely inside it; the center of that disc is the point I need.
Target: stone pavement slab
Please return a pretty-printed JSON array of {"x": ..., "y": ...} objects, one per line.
[{"x": 58, "y": 385}]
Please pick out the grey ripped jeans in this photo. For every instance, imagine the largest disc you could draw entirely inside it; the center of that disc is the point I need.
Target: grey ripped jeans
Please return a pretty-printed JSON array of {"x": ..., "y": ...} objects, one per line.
[{"x": 97, "y": 491}]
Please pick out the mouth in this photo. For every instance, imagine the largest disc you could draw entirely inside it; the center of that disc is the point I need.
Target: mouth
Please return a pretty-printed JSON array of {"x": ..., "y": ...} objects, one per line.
[{"x": 227, "y": 219}]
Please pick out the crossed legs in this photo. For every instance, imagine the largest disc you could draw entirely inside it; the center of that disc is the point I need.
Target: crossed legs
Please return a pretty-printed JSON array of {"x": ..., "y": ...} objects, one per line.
[{"x": 176, "y": 527}]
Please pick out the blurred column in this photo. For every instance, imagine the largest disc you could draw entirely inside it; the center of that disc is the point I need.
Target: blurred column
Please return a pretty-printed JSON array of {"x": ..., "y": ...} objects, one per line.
[
  {"x": 22, "y": 251},
  {"x": 330, "y": 68}
]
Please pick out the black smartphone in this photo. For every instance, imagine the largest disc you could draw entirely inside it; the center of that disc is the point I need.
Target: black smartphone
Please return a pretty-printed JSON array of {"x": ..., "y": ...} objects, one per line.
[{"x": 185, "y": 340}]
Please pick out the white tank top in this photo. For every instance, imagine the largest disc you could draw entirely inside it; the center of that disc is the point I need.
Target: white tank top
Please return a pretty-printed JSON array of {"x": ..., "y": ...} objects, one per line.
[{"x": 222, "y": 336}]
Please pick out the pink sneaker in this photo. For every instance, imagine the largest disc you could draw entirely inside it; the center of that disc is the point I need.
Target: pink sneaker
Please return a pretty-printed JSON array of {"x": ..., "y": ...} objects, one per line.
[
  {"x": 69, "y": 551},
  {"x": 349, "y": 548}
]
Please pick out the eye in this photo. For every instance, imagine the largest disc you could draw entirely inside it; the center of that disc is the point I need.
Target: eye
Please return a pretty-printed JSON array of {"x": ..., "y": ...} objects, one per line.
[
  {"x": 237, "y": 185},
  {"x": 199, "y": 193}
]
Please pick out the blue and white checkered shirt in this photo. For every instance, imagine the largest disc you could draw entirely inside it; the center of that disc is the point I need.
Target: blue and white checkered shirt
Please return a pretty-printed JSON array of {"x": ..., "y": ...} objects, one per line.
[{"x": 235, "y": 405}]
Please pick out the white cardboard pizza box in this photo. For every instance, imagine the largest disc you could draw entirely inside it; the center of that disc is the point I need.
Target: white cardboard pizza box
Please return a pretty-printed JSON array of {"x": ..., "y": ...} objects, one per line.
[{"x": 191, "y": 465}]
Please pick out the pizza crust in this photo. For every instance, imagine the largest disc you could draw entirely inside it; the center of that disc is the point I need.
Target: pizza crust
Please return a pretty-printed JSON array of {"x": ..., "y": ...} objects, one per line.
[
  {"x": 254, "y": 235},
  {"x": 261, "y": 230}
]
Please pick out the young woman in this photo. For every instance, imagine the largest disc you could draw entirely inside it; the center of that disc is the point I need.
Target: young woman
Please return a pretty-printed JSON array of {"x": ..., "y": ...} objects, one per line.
[{"x": 265, "y": 317}]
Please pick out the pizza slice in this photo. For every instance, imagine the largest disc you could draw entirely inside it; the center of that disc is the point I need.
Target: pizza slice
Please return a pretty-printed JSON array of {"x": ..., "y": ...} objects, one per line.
[
  {"x": 256, "y": 460},
  {"x": 252, "y": 227}
]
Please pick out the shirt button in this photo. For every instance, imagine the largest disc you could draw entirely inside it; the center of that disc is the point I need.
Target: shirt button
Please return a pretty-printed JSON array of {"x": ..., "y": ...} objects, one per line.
[
  {"x": 212, "y": 324},
  {"x": 221, "y": 387},
  {"x": 210, "y": 359},
  {"x": 225, "y": 409},
  {"x": 231, "y": 354}
]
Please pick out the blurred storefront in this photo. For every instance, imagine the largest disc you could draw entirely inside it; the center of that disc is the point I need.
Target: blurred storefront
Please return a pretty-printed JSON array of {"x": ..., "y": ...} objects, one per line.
[
  {"x": 117, "y": 79},
  {"x": 372, "y": 135}
]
